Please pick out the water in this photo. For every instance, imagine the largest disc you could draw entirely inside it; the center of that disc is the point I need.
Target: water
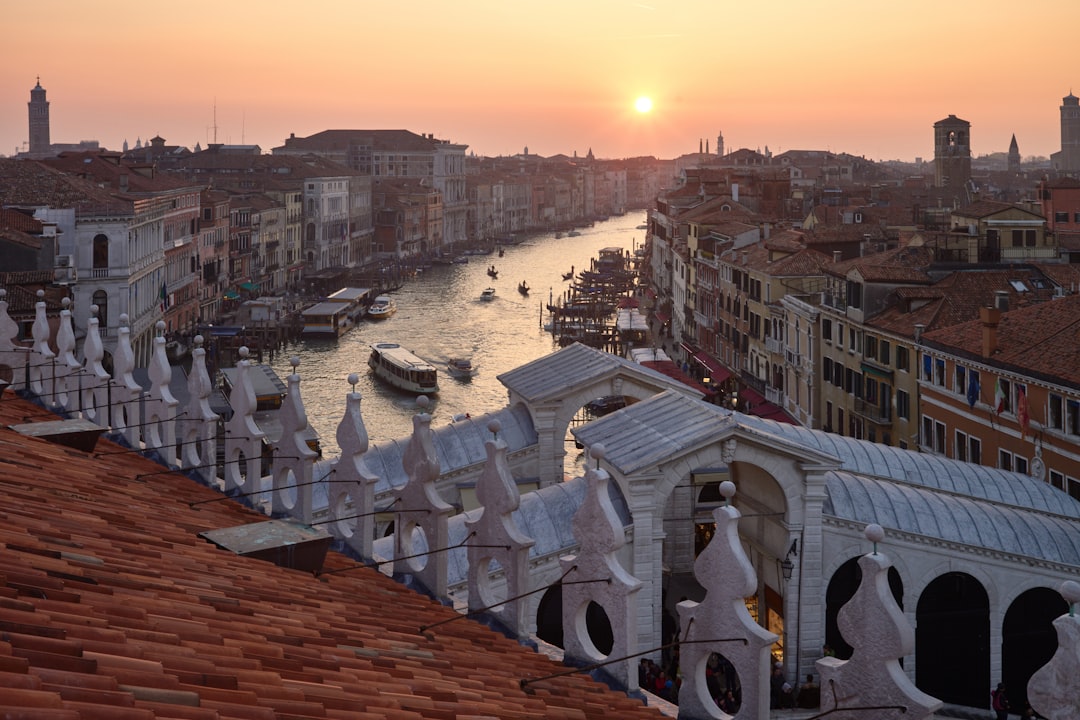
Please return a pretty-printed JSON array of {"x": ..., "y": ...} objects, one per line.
[{"x": 439, "y": 316}]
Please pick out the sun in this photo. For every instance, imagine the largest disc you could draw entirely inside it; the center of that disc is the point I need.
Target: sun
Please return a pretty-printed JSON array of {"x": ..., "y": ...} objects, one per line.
[{"x": 643, "y": 104}]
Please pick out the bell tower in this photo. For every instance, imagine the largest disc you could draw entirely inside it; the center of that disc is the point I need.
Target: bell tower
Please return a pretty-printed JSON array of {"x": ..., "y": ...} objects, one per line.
[
  {"x": 40, "y": 145},
  {"x": 952, "y": 153}
]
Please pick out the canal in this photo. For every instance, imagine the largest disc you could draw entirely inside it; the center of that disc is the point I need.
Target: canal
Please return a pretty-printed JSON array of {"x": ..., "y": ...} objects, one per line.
[{"x": 439, "y": 316}]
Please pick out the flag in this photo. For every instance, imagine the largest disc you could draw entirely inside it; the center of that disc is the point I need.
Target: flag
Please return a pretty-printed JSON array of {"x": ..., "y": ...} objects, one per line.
[
  {"x": 999, "y": 397},
  {"x": 1022, "y": 414},
  {"x": 164, "y": 298},
  {"x": 973, "y": 390}
]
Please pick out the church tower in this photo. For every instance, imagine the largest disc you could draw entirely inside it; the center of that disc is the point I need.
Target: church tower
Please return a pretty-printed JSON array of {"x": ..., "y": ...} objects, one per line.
[
  {"x": 952, "y": 153},
  {"x": 1068, "y": 160},
  {"x": 1014, "y": 155},
  {"x": 40, "y": 145}
]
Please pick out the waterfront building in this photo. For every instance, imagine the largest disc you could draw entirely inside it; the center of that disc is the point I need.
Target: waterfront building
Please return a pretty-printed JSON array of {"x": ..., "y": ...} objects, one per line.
[
  {"x": 214, "y": 218},
  {"x": 408, "y": 218},
  {"x": 397, "y": 154}
]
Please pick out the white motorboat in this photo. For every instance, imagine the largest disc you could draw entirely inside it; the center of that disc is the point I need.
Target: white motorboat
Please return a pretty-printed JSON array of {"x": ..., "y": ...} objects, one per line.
[
  {"x": 460, "y": 368},
  {"x": 488, "y": 294},
  {"x": 382, "y": 308}
]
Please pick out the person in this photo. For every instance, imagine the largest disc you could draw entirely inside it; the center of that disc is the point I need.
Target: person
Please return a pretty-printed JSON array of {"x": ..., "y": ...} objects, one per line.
[
  {"x": 776, "y": 685},
  {"x": 729, "y": 704},
  {"x": 809, "y": 693},
  {"x": 999, "y": 703}
]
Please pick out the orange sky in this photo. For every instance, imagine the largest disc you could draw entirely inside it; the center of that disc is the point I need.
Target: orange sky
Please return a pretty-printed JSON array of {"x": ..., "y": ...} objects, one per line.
[{"x": 557, "y": 76}]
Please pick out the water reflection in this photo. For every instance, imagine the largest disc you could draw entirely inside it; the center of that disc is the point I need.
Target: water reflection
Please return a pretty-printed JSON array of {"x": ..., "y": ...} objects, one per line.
[{"x": 440, "y": 316}]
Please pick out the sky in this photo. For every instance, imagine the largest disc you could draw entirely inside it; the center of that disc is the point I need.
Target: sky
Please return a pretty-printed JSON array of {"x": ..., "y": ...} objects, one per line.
[{"x": 553, "y": 76}]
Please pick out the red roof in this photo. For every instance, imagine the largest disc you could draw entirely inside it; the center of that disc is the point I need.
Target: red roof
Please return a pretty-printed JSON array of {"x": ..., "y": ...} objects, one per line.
[{"x": 113, "y": 606}]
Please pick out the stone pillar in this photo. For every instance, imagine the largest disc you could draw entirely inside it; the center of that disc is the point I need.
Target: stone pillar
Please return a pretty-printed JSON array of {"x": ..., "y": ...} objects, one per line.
[
  {"x": 550, "y": 450},
  {"x": 495, "y": 537},
  {"x": 721, "y": 623},
  {"x": 595, "y": 575},
  {"x": 11, "y": 355},
  {"x": 293, "y": 459},
  {"x": 875, "y": 627},
  {"x": 648, "y": 564},
  {"x": 352, "y": 488},
  {"x": 804, "y": 607}
]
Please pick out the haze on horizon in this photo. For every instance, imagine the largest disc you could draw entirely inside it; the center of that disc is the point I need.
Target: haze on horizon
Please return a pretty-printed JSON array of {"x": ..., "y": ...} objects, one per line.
[{"x": 554, "y": 76}]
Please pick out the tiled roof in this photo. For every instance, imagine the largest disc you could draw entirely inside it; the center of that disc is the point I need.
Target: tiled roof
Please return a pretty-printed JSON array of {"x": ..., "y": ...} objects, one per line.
[
  {"x": 113, "y": 606},
  {"x": 1043, "y": 339},
  {"x": 957, "y": 298},
  {"x": 21, "y": 221},
  {"x": 903, "y": 265}
]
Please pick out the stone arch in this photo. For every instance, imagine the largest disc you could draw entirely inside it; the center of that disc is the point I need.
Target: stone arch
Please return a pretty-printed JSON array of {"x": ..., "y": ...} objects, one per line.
[
  {"x": 1028, "y": 639},
  {"x": 952, "y": 640}
]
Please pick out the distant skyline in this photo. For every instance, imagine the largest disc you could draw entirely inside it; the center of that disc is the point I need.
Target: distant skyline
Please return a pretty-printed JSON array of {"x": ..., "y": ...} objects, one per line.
[{"x": 554, "y": 76}]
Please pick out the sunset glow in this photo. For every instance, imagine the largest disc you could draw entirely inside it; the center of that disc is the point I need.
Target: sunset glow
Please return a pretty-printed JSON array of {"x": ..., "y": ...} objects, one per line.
[
  {"x": 554, "y": 77},
  {"x": 643, "y": 104}
]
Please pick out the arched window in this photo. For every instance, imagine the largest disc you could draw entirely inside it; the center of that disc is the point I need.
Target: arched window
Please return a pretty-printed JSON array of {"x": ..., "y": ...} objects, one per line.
[
  {"x": 101, "y": 251},
  {"x": 101, "y": 299}
]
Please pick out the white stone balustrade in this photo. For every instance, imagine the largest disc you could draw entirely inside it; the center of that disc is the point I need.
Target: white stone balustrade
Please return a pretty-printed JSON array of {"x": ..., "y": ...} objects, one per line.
[
  {"x": 198, "y": 428},
  {"x": 160, "y": 406},
  {"x": 95, "y": 380},
  {"x": 126, "y": 393},
  {"x": 42, "y": 359}
]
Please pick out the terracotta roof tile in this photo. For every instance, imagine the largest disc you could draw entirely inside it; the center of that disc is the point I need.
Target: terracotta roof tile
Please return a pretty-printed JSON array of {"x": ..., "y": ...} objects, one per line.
[{"x": 111, "y": 602}]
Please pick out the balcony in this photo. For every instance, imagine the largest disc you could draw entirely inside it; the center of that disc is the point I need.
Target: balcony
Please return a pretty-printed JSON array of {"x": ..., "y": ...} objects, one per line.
[
  {"x": 775, "y": 396},
  {"x": 772, "y": 345},
  {"x": 873, "y": 412}
]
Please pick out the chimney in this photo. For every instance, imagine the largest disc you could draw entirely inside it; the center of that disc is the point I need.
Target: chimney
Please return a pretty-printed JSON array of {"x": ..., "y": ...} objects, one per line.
[
  {"x": 123, "y": 182},
  {"x": 735, "y": 192},
  {"x": 1001, "y": 300},
  {"x": 745, "y": 253},
  {"x": 836, "y": 256},
  {"x": 919, "y": 327},
  {"x": 768, "y": 230},
  {"x": 990, "y": 317}
]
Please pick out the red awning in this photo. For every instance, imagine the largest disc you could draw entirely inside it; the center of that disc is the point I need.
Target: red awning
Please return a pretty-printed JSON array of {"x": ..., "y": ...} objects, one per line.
[
  {"x": 673, "y": 371},
  {"x": 758, "y": 405},
  {"x": 650, "y": 293},
  {"x": 628, "y": 302},
  {"x": 717, "y": 372},
  {"x": 663, "y": 317}
]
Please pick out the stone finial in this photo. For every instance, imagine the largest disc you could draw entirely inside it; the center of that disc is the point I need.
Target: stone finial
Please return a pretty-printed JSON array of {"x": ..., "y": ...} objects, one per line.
[
  {"x": 1054, "y": 689},
  {"x": 199, "y": 427},
  {"x": 727, "y": 575},
  {"x": 40, "y": 329},
  {"x": 600, "y": 534},
  {"x": 423, "y": 508},
  {"x": 293, "y": 458},
  {"x": 496, "y": 538},
  {"x": 243, "y": 437},
  {"x": 875, "y": 626},
  {"x": 126, "y": 408},
  {"x": 352, "y": 494},
  {"x": 9, "y": 329}
]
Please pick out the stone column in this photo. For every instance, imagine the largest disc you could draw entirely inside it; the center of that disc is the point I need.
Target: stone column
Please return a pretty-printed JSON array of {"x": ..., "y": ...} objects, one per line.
[{"x": 648, "y": 549}]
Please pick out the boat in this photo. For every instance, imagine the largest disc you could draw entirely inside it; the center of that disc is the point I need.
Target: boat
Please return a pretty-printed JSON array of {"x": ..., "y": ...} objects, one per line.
[
  {"x": 493, "y": 272},
  {"x": 400, "y": 368},
  {"x": 568, "y": 275},
  {"x": 326, "y": 319},
  {"x": 383, "y": 307},
  {"x": 523, "y": 288},
  {"x": 460, "y": 368},
  {"x": 558, "y": 235},
  {"x": 488, "y": 294},
  {"x": 460, "y": 260},
  {"x": 501, "y": 252},
  {"x": 642, "y": 227},
  {"x": 573, "y": 233}
]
